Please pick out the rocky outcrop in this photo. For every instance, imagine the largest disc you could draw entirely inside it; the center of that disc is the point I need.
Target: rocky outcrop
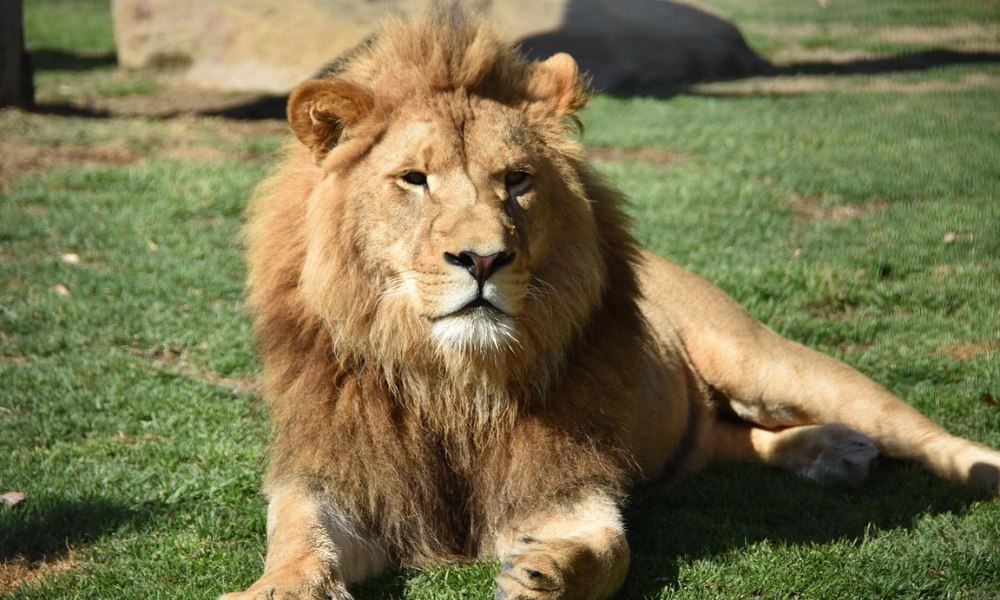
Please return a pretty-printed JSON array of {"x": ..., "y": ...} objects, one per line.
[{"x": 628, "y": 46}]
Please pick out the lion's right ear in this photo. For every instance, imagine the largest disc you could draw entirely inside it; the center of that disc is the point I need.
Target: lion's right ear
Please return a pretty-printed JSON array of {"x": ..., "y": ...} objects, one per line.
[
  {"x": 557, "y": 85},
  {"x": 320, "y": 109}
]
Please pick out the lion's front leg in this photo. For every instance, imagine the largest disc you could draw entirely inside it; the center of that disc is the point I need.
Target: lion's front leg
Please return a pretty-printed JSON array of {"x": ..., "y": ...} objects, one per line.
[
  {"x": 312, "y": 551},
  {"x": 579, "y": 553}
]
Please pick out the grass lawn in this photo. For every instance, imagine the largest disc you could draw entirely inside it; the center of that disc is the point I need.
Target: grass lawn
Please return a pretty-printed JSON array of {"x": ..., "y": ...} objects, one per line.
[{"x": 858, "y": 214}]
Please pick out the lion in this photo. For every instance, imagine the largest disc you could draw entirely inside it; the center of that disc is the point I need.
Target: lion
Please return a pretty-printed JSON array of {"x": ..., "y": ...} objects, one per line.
[{"x": 466, "y": 354}]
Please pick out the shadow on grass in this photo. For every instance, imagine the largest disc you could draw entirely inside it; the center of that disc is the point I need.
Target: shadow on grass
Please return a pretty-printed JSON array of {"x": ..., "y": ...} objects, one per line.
[
  {"x": 48, "y": 528},
  {"x": 264, "y": 107},
  {"x": 910, "y": 62},
  {"x": 916, "y": 61},
  {"x": 58, "y": 60},
  {"x": 732, "y": 508},
  {"x": 70, "y": 110},
  {"x": 261, "y": 108}
]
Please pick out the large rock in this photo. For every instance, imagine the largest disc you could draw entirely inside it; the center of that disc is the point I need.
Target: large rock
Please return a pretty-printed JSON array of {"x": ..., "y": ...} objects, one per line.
[{"x": 628, "y": 46}]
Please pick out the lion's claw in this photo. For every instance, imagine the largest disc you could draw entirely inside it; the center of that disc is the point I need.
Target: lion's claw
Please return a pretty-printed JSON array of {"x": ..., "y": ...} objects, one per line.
[
  {"x": 289, "y": 592},
  {"x": 531, "y": 575}
]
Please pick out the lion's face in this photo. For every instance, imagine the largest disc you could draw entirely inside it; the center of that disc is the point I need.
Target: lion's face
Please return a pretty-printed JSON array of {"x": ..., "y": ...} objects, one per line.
[
  {"x": 449, "y": 223},
  {"x": 458, "y": 217},
  {"x": 450, "y": 197}
]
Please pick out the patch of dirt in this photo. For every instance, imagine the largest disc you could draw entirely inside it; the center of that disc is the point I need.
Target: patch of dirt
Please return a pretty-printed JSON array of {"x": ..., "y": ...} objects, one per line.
[
  {"x": 802, "y": 54},
  {"x": 801, "y": 31},
  {"x": 170, "y": 96},
  {"x": 800, "y": 85},
  {"x": 32, "y": 210},
  {"x": 172, "y": 101},
  {"x": 19, "y": 571},
  {"x": 946, "y": 270},
  {"x": 20, "y": 158},
  {"x": 222, "y": 130},
  {"x": 833, "y": 309},
  {"x": 187, "y": 138},
  {"x": 983, "y": 37},
  {"x": 798, "y": 58},
  {"x": 852, "y": 348},
  {"x": 966, "y": 351},
  {"x": 193, "y": 153},
  {"x": 812, "y": 208},
  {"x": 970, "y": 82},
  {"x": 650, "y": 155},
  {"x": 978, "y": 37},
  {"x": 172, "y": 360}
]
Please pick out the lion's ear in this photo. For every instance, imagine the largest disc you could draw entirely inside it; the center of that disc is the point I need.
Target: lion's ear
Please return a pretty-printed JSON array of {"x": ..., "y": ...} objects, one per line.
[
  {"x": 320, "y": 109},
  {"x": 556, "y": 83}
]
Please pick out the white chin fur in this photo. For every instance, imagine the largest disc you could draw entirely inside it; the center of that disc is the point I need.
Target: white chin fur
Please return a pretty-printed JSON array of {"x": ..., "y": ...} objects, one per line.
[{"x": 479, "y": 330}]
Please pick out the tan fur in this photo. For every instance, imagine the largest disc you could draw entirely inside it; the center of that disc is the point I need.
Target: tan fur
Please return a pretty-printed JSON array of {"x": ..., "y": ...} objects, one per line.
[
  {"x": 411, "y": 428},
  {"x": 577, "y": 551}
]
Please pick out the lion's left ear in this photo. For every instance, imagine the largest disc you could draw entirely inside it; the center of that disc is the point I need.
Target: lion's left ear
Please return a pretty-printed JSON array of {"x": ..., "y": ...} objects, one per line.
[
  {"x": 319, "y": 110},
  {"x": 556, "y": 84}
]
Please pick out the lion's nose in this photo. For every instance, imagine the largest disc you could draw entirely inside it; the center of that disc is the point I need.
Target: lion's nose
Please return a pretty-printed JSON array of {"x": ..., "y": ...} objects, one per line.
[{"x": 479, "y": 266}]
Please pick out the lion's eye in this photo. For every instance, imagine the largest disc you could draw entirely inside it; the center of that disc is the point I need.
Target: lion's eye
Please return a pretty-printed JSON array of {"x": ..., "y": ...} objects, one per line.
[
  {"x": 517, "y": 181},
  {"x": 415, "y": 178}
]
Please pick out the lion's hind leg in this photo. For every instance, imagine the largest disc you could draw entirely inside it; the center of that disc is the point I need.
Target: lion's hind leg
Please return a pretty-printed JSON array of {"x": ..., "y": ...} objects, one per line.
[
  {"x": 779, "y": 384},
  {"x": 830, "y": 454},
  {"x": 772, "y": 382},
  {"x": 775, "y": 383}
]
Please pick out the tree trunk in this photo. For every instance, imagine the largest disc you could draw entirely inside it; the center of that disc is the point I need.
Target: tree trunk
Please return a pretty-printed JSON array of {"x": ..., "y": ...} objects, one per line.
[{"x": 16, "y": 87}]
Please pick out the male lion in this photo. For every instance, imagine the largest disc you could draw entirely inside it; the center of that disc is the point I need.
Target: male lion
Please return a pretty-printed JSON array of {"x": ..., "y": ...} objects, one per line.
[{"x": 466, "y": 354}]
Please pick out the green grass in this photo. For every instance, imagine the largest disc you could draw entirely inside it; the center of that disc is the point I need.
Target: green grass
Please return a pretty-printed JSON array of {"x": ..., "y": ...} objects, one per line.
[
  {"x": 859, "y": 12},
  {"x": 770, "y": 25},
  {"x": 123, "y": 409},
  {"x": 75, "y": 27},
  {"x": 67, "y": 37}
]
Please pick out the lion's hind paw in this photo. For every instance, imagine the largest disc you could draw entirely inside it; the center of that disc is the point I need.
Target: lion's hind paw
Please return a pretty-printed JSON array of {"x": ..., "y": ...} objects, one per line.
[{"x": 830, "y": 454}]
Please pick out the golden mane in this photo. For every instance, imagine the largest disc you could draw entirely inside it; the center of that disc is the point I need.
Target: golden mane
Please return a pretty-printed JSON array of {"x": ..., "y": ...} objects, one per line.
[{"x": 446, "y": 50}]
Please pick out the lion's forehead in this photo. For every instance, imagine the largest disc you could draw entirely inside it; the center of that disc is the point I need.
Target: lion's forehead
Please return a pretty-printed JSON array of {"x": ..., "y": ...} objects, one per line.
[{"x": 441, "y": 137}]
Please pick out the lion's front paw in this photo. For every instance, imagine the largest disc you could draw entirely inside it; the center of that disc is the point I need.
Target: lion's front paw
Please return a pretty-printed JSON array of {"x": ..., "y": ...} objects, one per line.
[
  {"x": 285, "y": 586},
  {"x": 538, "y": 570},
  {"x": 276, "y": 593}
]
